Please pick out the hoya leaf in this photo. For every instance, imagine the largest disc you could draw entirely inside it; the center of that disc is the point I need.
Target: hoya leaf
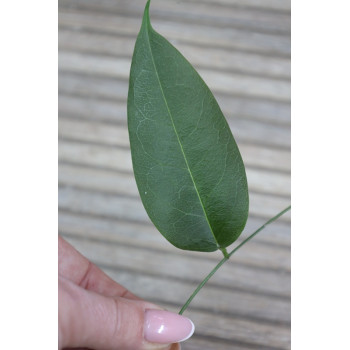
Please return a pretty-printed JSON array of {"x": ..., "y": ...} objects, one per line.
[{"x": 187, "y": 166}]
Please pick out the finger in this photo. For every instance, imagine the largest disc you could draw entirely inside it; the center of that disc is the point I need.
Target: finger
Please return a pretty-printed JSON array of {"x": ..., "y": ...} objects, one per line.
[
  {"x": 91, "y": 320},
  {"x": 75, "y": 267}
]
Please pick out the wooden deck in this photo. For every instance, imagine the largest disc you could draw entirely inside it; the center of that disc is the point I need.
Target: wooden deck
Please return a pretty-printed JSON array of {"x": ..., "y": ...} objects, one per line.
[{"x": 242, "y": 50}]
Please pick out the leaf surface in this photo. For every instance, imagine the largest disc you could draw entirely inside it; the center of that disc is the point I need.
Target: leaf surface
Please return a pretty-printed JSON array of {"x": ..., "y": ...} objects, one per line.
[{"x": 187, "y": 166}]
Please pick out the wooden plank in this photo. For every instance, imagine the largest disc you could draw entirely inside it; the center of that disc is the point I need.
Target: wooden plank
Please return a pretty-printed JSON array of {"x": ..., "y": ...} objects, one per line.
[
  {"x": 261, "y": 205},
  {"x": 95, "y": 132},
  {"x": 92, "y": 86},
  {"x": 95, "y": 155},
  {"x": 261, "y": 335},
  {"x": 101, "y": 94},
  {"x": 119, "y": 159},
  {"x": 245, "y": 85},
  {"x": 129, "y": 233},
  {"x": 130, "y": 207},
  {"x": 261, "y": 252},
  {"x": 245, "y": 131},
  {"x": 248, "y": 63},
  {"x": 269, "y": 5},
  {"x": 195, "y": 34},
  {"x": 205, "y": 13},
  {"x": 218, "y": 81},
  {"x": 261, "y": 181},
  {"x": 92, "y": 109},
  {"x": 272, "y": 284},
  {"x": 104, "y": 155},
  {"x": 199, "y": 343}
]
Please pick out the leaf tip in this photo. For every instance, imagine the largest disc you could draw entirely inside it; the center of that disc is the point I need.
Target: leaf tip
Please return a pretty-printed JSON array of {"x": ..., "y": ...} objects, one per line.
[{"x": 146, "y": 13}]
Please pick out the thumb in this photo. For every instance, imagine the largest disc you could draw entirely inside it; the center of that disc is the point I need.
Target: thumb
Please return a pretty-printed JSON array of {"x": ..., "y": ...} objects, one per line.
[{"x": 87, "y": 319}]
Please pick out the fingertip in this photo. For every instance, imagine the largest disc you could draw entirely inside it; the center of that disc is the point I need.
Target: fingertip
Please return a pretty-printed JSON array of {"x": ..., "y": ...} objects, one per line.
[{"x": 166, "y": 327}]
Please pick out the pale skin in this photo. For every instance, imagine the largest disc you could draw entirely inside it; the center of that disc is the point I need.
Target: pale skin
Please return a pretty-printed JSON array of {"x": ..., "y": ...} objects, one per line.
[{"x": 95, "y": 312}]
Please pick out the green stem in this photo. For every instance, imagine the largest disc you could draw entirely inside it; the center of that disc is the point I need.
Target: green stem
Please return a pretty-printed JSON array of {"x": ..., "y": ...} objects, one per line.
[
  {"x": 224, "y": 251},
  {"x": 227, "y": 256}
]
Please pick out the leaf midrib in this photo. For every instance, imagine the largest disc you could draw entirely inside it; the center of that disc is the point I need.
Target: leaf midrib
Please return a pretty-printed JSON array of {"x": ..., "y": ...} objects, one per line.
[{"x": 177, "y": 135}]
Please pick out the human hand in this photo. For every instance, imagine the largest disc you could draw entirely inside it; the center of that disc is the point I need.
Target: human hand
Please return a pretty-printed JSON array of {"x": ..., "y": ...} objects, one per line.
[{"x": 97, "y": 313}]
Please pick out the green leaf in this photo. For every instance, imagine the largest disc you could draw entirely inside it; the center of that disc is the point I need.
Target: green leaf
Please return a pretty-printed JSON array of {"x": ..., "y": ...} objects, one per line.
[{"x": 187, "y": 166}]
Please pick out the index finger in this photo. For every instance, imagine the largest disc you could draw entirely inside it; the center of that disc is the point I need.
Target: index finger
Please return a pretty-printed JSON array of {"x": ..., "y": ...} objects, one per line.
[{"x": 78, "y": 269}]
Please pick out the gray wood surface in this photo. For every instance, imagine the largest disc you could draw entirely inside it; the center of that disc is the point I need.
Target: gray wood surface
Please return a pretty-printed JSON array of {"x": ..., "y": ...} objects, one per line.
[{"x": 242, "y": 50}]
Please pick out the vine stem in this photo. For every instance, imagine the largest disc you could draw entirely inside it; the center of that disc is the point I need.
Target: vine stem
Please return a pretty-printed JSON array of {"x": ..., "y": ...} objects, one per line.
[{"x": 227, "y": 256}]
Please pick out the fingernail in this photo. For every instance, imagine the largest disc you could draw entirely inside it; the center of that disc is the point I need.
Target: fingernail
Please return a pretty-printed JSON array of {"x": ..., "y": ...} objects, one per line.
[{"x": 166, "y": 327}]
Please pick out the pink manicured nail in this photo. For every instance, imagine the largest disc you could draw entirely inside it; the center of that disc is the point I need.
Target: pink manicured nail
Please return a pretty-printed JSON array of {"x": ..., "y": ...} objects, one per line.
[{"x": 166, "y": 327}]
